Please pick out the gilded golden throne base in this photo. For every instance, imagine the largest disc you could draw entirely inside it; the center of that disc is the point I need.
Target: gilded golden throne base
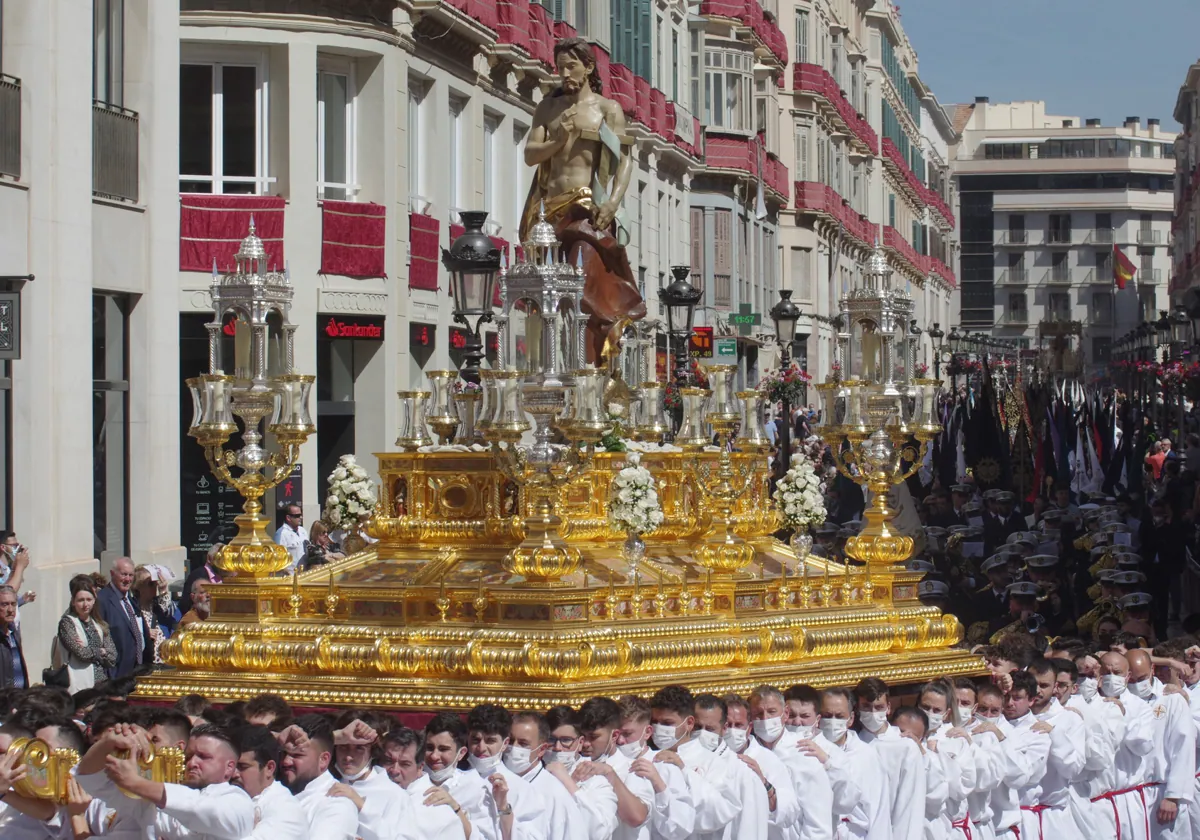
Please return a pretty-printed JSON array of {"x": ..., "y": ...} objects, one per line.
[{"x": 437, "y": 613}]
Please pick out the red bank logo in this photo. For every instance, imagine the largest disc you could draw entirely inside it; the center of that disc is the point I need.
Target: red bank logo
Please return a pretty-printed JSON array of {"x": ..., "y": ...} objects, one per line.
[{"x": 341, "y": 329}]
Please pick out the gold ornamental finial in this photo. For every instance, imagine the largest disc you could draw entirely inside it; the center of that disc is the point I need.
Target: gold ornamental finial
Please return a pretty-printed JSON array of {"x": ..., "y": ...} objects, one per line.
[
  {"x": 296, "y": 600},
  {"x": 481, "y": 600},
  {"x": 442, "y": 603},
  {"x": 332, "y": 598},
  {"x": 709, "y": 596},
  {"x": 610, "y": 603},
  {"x": 660, "y": 598}
]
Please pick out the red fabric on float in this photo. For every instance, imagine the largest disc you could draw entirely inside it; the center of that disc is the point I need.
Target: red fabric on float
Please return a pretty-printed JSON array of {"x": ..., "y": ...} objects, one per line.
[
  {"x": 212, "y": 226},
  {"x": 352, "y": 238}
]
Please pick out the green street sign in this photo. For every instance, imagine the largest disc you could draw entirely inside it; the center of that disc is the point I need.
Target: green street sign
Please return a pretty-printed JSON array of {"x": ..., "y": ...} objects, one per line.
[
  {"x": 744, "y": 319},
  {"x": 726, "y": 349}
]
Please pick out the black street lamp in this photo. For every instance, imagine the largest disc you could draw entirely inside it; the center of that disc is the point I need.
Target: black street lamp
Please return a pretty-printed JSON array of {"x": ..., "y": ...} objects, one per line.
[
  {"x": 680, "y": 299},
  {"x": 473, "y": 261},
  {"x": 935, "y": 338},
  {"x": 785, "y": 314}
]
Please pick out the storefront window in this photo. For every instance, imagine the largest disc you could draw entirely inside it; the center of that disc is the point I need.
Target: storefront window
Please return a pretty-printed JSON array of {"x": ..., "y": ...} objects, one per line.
[{"x": 110, "y": 426}]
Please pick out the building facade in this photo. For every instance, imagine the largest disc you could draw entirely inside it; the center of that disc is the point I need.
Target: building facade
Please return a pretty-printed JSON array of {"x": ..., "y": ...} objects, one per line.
[
  {"x": 869, "y": 155},
  {"x": 1185, "y": 241},
  {"x": 1046, "y": 203}
]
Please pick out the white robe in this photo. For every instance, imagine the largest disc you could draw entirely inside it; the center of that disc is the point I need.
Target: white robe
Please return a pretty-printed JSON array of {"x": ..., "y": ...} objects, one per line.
[
  {"x": 563, "y": 813},
  {"x": 386, "y": 807},
  {"x": 438, "y": 821},
  {"x": 870, "y": 816},
  {"x": 1059, "y": 811},
  {"x": 329, "y": 817},
  {"x": 731, "y": 801},
  {"x": 277, "y": 816},
  {"x": 1028, "y": 754},
  {"x": 1121, "y": 806},
  {"x": 904, "y": 765},
  {"x": 215, "y": 812},
  {"x": 1172, "y": 762},
  {"x": 813, "y": 785},
  {"x": 597, "y": 803},
  {"x": 786, "y": 815},
  {"x": 937, "y": 824},
  {"x": 990, "y": 765},
  {"x": 958, "y": 762},
  {"x": 673, "y": 813}
]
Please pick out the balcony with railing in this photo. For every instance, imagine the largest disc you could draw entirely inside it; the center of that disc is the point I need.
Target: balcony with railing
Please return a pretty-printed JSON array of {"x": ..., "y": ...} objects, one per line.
[
  {"x": 1058, "y": 237},
  {"x": 1015, "y": 318},
  {"x": 816, "y": 81},
  {"x": 1149, "y": 277},
  {"x": 1100, "y": 236},
  {"x": 1014, "y": 277},
  {"x": 1149, "y": 237},
  {"x": 114, "y": 152},
  {"x": 1019, "y": 238},
  {"x": 10, "y": 126},
  {"x": 1058, "y": 277}
]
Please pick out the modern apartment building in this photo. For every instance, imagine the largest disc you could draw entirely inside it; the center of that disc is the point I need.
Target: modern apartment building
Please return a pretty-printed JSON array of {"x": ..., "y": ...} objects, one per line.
[
  {"x": 1046, "y": 200},
  {"x": 1185, "y": 250},
  {"x": 869, "y": 157}
]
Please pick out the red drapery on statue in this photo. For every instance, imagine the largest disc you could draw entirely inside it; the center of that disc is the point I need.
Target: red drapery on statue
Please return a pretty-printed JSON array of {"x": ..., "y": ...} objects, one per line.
[
  {"x": 212, "y": 226},
  {"x": 352, "y": 238}
]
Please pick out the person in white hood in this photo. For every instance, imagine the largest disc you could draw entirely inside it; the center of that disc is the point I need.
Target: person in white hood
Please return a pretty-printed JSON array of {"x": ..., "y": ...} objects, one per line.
[
  {"x": 308, "y": 751},
  {"x": 277, "y": 816}
]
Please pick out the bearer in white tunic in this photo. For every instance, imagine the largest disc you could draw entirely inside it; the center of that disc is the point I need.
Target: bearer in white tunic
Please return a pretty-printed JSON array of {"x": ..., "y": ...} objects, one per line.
[
  {"x": 783, "y": 802},
  {"x": 912, "y": 724},
  {"x": 592, "y": 793},
  {"x": 987, "y": 729},
  {"x": 489, "y": 727},
  {"x": 901, "y": 758},
  {"x": 731, "y": 802},
  {"x": 403, "y": 760},
  {"x": 530, "y": 736},
  {"x": 953, "y": 747},
  {"x": 1063, "y": 812},
  {"x": 802, "y": 714},
  {"x": 870, "y": 816},
  {"x": 1028, "y": 745},
  {"x": 1173, "y": 760},
  {"x": 308, "y": 752},
  {"x": 672, "y": 814},
  {"x": 810, "y": 780},
  {"x": 207, "y": 807},
  {"x": 383, "y": 808},
  {"x": 1120, "y": 809},
  {"x": 276, "y": 814}
]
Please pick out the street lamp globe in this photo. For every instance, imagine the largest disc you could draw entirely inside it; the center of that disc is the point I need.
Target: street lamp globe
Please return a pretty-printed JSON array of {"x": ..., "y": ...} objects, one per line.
[
  {"x": 785, "y": 314},
  {"x": 680, "y": 299},
  {"x": 473, "y": 261},
  {"x": 1181, "y": 325},
  {"x": 1163, "y": 327}
]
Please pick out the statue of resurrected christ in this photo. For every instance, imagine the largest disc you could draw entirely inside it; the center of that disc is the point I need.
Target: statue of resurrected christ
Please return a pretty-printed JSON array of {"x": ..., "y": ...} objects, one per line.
[{"x": 582, "y": 155}]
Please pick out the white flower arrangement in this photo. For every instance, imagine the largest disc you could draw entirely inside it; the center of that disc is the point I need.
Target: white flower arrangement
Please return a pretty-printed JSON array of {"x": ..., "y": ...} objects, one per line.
[
  {"x": 801, "y": 495},
  {"x": 633, "y": 504},
  {"x": 351, "y": 494}
]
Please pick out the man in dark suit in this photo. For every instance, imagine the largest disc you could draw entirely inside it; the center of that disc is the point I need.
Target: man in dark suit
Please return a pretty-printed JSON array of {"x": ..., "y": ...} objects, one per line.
[
  {"x": 124, "y": 619},
  {"x": 13, "y": 672}
]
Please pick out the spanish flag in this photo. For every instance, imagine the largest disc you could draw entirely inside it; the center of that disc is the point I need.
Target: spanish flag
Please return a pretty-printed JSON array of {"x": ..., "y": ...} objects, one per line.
[{"x": 1123, "y": 269}]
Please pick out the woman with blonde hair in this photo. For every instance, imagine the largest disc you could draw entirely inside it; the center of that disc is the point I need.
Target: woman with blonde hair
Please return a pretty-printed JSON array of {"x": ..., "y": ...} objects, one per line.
[{"x": 84, "y": 644}]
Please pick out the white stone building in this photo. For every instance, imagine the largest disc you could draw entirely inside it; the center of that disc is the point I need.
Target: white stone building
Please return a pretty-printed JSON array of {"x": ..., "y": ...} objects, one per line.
[
  {"x": 205, "y": 109},
  {"x": 1045, "y": 201},
  {"x": 1185, "y": 236},
  {"x": 869, "y": 162}
]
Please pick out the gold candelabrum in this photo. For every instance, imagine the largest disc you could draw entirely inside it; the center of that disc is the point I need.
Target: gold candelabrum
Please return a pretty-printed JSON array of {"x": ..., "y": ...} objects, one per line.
[
  {"x": 877, "y": 420},
  {"x": 497, "y": 576},
  {"x": 263, "y": 385}
]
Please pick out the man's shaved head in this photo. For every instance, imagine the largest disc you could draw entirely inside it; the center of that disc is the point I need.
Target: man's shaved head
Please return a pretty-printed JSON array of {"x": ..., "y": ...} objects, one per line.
[
  {"x": 1139, "y": 665},
  {"x": 1115, "y": 663}
]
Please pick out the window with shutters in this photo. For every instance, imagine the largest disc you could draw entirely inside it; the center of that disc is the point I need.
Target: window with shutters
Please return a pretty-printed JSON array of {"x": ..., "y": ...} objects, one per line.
[
  {"x": 801, "y": 277},
  {"x": 722, "y": 256},
  {"x": 694, "y": 75},
  {"x": 856, "y": 87},
  {"x": 660, "y": 72},
  {"x": 674, "y": 66},
  {"x": 1102, "y": 308},
  {"x": 638, "y": 212},
  {"x": 839, "y": 160},
  {"x": 856, "y": 191},
  {"x": 802, "y": 36},
  {"x": 418, "y": 172},
  {"x": 801, "y": 136},
  {"x": 891, "y": 210},
  {"x": 698, "y": 240},
  {"x": 822, "y": 148},
  {"x": 744, "y": 251},
  {"x": 835, "y": 60}
]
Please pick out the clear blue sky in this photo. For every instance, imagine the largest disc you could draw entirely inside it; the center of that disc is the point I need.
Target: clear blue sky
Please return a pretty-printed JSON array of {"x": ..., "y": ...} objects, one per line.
[{"x": 1085, "y": 58}]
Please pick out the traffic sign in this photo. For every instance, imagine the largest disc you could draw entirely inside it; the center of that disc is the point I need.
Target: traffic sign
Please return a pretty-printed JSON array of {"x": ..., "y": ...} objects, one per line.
[{"x": 727, "y": 350}]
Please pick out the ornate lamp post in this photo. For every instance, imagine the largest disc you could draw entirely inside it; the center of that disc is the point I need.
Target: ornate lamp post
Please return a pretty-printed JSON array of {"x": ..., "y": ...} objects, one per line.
[
  {"x": 264, "y": 344},
  {"x": 935, "y": 337},
  {"x": 680, "y": 299},
  {"x": 785, "y": 314},
  {"x": 473, "y": 262}
]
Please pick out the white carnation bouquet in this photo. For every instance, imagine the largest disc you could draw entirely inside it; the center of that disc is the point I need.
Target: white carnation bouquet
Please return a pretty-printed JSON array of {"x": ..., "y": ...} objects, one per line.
[
  {"x": 633, "y": 504},
  {"x": 801, "y": 495},
  {"x": 351, "y": 494}
]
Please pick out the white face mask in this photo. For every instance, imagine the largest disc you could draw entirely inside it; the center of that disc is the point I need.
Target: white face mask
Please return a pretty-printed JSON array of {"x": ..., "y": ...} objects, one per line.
[
  {"x": 709, "y": 740},
  {"x": 1112, "y": 685},
  {"x": 439, "y": 776},
  {"x": 1088, "y": 686},
  {"x": 834, "y": 728},
  {"x": 936, "y": 719},
  {"x": 665, "y": 736},
  {"x": 567, "y": 759},
  {"x": 486, "y": 765},
  {"x": 736, "y": 739},
  {"x": 518, "y": 759},
  {"x": 963, "y": 715},
  {"x": 873, "y": 721},
  {"x": 981, "y": 720},
  {"x": 631, "y": 749},
  {"x": 805, "y": 732},
  {"x": 769, "y": 730},
  {"x": 1142, "y": 689}
]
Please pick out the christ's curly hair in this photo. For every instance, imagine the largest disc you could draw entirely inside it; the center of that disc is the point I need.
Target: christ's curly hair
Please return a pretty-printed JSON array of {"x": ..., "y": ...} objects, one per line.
[{"x": 580, "y": 49}]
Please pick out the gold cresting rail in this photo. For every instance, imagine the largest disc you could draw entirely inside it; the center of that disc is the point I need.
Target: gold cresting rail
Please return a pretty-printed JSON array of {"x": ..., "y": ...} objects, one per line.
[
  {"x": 49, "y": 770},
  {"x": 438, "y": 614}
]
